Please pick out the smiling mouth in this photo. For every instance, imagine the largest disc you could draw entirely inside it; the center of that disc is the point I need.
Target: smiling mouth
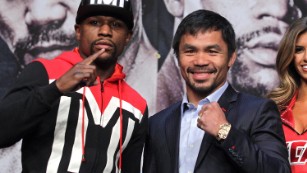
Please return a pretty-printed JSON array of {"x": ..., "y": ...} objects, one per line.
[
  {"x": 201, "y": 75},
  {"x": 201, "y": 69}
]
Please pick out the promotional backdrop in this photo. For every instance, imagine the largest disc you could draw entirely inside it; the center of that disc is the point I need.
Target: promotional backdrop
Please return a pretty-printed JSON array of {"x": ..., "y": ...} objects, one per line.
[{"x": 44, "y": 28}]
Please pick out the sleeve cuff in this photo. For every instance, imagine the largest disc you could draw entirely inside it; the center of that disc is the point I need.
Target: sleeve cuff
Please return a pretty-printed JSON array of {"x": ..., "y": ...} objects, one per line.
[{"x": 50, "y": 93}]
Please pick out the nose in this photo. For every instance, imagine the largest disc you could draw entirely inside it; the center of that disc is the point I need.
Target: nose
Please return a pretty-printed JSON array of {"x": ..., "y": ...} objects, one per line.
[
  {"x": 201, "y": 59},
  {"x": 105, "y": 30},
  {"x": 280, "y": 10},
  {"x": 45, "y": 13}
]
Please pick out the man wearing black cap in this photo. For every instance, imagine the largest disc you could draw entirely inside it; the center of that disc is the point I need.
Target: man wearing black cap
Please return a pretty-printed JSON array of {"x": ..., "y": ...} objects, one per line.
[{"x": 76, "y": 113}]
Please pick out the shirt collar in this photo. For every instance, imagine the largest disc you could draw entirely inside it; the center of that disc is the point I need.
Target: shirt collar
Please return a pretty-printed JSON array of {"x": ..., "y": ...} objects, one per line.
[{"x": 213, "y": 97}]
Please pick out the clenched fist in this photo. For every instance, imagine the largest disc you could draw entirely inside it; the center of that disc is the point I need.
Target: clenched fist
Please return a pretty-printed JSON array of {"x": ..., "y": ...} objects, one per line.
[{"x": 210, "y": 117}]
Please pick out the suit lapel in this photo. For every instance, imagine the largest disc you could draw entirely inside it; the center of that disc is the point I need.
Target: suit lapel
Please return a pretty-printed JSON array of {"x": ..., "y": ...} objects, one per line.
[
  {"x": 172, "y": 131},
  {"x": 226, "y": 102},
  {"x": 227, "y": 99}
]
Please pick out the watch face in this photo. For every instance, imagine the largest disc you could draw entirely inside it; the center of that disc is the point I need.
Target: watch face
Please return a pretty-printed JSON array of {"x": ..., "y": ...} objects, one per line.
[
  {"x": 224, "y": 136},
  {"x": 223, "y": 131}
]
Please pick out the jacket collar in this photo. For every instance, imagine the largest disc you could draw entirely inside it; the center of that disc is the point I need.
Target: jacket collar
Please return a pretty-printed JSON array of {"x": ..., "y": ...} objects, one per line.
[{"x": 172, "y": 131}]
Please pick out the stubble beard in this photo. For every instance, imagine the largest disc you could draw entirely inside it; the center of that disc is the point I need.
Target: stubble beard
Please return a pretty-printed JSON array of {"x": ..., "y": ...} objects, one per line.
[
  {"x": 199, "y": 89},
  {"x": 107, "y": 62}
]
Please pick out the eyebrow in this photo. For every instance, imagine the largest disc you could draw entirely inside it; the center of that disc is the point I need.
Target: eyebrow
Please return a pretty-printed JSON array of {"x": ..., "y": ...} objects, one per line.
[
  {"x": 214, "y": 46},
  {"x": 188, "y": 46},
  {"x": 207, "y": 48}
]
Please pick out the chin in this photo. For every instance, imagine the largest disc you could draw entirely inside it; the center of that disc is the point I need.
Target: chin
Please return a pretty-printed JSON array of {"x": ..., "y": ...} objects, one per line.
[{"x": 201, "y": 89}]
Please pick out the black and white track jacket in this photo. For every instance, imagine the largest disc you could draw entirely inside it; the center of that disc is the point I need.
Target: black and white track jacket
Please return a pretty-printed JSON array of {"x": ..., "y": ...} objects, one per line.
[{"x": 56, "y": 129}]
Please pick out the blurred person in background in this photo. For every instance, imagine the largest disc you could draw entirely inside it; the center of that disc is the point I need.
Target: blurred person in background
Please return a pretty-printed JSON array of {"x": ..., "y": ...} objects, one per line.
[{"x": 291, "y": 95}]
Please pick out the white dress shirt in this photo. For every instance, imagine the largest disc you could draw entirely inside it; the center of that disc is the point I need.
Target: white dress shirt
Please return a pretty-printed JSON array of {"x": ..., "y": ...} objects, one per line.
[{"x": 190, "y": 135}]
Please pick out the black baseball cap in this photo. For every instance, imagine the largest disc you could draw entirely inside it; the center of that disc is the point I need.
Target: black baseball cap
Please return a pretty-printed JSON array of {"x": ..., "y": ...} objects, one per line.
[{"x": 120, "y": 9}]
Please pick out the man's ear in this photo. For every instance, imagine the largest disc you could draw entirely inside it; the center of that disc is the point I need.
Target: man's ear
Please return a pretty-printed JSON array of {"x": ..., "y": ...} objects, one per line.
[
  {"x": 77, "y": 31},
  {"x": 232, "y": 59},
  {"x": 129, "y": 36},
  {"x": 175, "y": 7}
]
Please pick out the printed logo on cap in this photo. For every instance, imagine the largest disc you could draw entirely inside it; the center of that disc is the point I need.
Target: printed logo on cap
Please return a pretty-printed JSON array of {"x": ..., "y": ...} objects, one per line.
[
  {"x": 118, "y": 3},
  {"x": 120, "y": 9}
]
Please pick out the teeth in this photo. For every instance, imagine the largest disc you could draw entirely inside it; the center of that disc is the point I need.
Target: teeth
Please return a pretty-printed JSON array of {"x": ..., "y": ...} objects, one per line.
[{"x": 304, "y": 66}]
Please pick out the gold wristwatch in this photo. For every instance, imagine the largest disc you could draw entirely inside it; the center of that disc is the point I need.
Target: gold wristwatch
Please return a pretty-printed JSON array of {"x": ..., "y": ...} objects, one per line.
[{"x": 223, "y": 131}]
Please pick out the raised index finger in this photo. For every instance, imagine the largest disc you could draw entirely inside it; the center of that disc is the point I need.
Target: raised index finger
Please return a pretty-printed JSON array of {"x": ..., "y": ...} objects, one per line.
[{"x": 91, "y": 58}]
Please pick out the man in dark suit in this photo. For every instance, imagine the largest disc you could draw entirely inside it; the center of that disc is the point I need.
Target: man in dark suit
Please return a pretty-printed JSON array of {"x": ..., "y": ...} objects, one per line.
[{"x": 214, "y": 129}]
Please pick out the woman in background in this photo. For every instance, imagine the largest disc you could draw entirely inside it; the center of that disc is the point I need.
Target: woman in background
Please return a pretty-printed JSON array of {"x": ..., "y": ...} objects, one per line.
[{"x": 291, "y": 95}]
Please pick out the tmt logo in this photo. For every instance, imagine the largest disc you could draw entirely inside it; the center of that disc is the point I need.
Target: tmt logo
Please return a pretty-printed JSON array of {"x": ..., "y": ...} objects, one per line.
[
  {"x": 119, "y": 3},
  {"x": 297, "y": 152}
]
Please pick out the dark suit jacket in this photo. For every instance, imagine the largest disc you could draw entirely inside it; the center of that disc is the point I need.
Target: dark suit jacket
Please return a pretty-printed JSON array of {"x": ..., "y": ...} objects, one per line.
[{"x": 255, "y": 143}]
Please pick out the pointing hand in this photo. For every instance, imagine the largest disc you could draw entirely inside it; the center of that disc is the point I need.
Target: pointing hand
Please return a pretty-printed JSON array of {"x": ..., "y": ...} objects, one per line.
[{"x": 80, "y": 75}]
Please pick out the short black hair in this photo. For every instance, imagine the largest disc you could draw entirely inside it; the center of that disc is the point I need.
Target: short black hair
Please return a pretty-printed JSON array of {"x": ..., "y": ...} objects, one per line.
[{"x": 204, "y": 20}]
